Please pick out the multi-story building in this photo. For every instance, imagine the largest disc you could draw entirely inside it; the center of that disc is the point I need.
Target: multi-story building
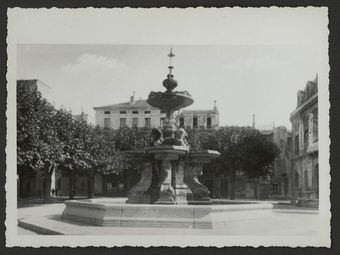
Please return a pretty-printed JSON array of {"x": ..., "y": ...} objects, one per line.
[
  {"x": 305, "y": 169},
  {"x": 199, "y": 118},
  {"x": 138, "y": 113},
  {"x": 135, "y": 113}
]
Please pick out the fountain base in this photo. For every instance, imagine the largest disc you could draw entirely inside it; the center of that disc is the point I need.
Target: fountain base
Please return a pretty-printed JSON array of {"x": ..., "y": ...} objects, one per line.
[{"x": 106, "y": 213}]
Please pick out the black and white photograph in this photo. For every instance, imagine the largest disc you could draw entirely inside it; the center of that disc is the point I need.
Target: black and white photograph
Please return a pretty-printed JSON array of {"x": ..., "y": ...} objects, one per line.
[{"x": 168, "y": 127}]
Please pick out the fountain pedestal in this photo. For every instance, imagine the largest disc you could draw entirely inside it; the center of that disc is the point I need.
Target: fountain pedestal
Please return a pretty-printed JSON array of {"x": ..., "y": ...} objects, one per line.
[
  {"x": 168, "y": 173},
  {"x": 167, "y": 155},
  {"x": 180, "y": 186}
]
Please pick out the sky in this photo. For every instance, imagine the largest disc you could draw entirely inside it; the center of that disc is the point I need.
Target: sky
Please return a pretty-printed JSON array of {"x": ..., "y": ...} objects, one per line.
[{"x": 243, "y": 79}]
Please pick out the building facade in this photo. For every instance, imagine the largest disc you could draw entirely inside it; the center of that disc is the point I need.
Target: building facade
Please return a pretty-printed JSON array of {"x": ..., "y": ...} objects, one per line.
[
  {"x": 305, "y": 168},
  {"x": 199, "y": 118},
  {"x": 138, "y": 113},
  {"x": 135, "y": 113},
  {"x": 278, "y": 184}
]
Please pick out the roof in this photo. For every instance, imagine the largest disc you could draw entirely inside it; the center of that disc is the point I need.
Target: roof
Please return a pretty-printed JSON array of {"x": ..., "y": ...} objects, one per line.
[
  {"x": 198, "y": 111},
  {"x": 137, "y": 104},
  {"x": 309, "y": 91}
]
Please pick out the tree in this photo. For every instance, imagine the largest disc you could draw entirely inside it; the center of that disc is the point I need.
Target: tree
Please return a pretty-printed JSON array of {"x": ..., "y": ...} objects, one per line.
[
  {"x": 74, "y": 159},
  {"x": 132, "y": 138},
  {"x": 37, "y": 144},
  {"x": 242, "y": 149},
  {"x": 258, "y": 157},
  {"x": 104, "y": 159}
]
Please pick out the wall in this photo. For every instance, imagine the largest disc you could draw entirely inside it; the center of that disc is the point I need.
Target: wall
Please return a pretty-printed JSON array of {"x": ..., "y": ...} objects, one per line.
[{"x": 115, "y": 116}]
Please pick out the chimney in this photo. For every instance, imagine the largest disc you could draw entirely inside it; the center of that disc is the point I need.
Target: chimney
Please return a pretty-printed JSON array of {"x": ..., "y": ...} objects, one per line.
[
  {"x": 253, "y": 120},
  {"x": 132, "y": 98},
  {"x": 215, "y": 106},
  {"x": 300, "y": 97}
]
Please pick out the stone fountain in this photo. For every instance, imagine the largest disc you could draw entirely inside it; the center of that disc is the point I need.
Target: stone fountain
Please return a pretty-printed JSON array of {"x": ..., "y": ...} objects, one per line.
[
  {"x": 169, "y": 193},
  {"x": 170, "y": 174}
]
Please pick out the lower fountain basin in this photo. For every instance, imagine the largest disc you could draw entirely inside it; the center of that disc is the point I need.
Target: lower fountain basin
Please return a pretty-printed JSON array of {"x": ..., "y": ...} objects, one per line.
[{"x": 109, "y": 213}]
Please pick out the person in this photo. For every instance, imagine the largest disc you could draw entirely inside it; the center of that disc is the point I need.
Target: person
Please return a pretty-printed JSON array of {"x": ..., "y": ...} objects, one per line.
[
  {"x": 53, "y": 192},
  {"x": 57, "y": 192}
]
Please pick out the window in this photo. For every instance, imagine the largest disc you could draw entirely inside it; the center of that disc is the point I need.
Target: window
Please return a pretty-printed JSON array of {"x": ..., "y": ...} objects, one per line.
[
  {"x": 181, "y": 122},
  {"x": 162, "y": 111},
  {"x": 134, "y": 112},
  {"x": 297, "y": 144},
  {"x": 195, "y": 122},
  {"x": 122, "y": 122},
  {"x": 147, "y": 122},
  {"x": 134, "y": 122},
  {"x": 315, "y": 126},
  {"x": 209, "y": 122},
  {"x": 122, "y": 112},
  {"x": 107, "y": 112},
  {"x": 147, "y": 112},
  {"x": 305, "y": 130},
  {"x": 162, "y": 122},
  {"x": 306, "y": 138},
  {"x": 106, "y": 122}
]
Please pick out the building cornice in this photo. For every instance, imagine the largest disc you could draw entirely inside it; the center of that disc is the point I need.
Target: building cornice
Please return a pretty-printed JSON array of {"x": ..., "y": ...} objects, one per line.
[{"x": 303, "y": 107}]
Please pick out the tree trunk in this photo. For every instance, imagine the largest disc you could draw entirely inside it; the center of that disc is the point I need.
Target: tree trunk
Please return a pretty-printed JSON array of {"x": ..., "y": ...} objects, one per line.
[
  {"x": 232, "y": 185},
  {"x": 47, "y": 183},
  {"x": 258, "y": 188},
  {"x": 71, "y": 186},
  {"x": 90, "y": 185},
  {"x": 47, "y": 186}
]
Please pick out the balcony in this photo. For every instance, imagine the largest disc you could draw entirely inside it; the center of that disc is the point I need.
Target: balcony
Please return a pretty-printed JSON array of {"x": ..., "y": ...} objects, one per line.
[{"x": 313, "y": 147}]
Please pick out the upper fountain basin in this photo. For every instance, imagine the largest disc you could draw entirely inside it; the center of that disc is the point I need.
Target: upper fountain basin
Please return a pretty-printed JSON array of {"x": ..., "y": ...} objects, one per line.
[{"x": 170, "y": 101}]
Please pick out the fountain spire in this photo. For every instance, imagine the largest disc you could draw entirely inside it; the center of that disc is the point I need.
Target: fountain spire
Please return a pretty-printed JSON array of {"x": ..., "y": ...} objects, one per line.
[
  {"x": 170, "y": 55},
  {"x": 170, "y": 83}
]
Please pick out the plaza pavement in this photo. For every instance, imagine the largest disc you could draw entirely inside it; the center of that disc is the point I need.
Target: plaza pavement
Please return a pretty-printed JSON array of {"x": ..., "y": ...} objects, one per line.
[{"x": 286, "y": 220}]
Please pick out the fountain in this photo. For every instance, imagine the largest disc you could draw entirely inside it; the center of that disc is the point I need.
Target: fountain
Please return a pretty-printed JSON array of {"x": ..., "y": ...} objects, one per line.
[
  {"x": 169, "y": 193},
  {"x": 171, "y": 171}
]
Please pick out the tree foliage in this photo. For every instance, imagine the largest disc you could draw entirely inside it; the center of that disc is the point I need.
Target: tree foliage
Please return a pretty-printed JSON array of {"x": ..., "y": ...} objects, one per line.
[
  {"x": 243, "y": 150},
  {"x": 38, "y": 145},
  {"x": 48, "y": 138}
]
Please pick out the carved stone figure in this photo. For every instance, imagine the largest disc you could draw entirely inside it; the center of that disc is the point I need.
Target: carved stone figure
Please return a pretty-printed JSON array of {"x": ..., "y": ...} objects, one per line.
[
  {"x": 182, "y": 137},
  {"x": 199, "y": 191},
  {"x": 156, "y": 137},
  {"x": 137, "y": 193}
]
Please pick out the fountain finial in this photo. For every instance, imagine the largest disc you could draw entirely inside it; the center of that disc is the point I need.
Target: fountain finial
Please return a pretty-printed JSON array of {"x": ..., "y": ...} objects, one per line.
[
  {"x": 170, "y": 55},
  {"x": 170, "y": 83}
]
